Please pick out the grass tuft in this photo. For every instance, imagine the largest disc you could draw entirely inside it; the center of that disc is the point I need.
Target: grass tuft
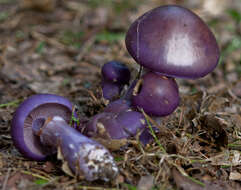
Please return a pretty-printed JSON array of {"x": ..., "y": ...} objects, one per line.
[{"x": 14, "y": 103}]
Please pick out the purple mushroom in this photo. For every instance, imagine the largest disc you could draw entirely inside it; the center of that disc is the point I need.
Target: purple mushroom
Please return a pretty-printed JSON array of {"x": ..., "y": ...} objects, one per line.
[
  {"x": 117, "y": 106},
  {"x": 36, "y": 106},
  {"x": 111, "y": 91},
  {"x": 116, "y": 71},
  {"x": 120, "y": 125},
  {"x": 114, "y": 76},
  {"x": 157, "y": 95},
  {"x": 119, "y": 121},
  {"x": 40, "y": 128},
  {"x": 173, "y": 41}
]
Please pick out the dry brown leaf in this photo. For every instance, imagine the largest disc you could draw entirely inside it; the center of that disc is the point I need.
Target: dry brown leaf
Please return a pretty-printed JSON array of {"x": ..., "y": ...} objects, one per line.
[
  {"x": 43, "y": 5},
  {"x": 235, "y": 176},
  {"x": 214, "y": 104},
  {"x": 146, "y": 182},
  {"x": 237, "y": 89},
  {"x": 112, "y": 144},
  {"x": 185, "y": 183},
  {"x": 226, "y": 158},
  {"x": 215, "y": 127}
]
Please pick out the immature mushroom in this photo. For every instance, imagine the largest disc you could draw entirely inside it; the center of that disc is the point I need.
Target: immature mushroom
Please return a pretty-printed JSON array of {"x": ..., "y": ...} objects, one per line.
[
  {"x": 114, "y": 76},
  {"x": 116, "y": 71},
  {"x": 40, "y": 128},
  {"x": 122, "y": 104},
  {"x": 157, "y": 95},
  {"x": 173, "y": 41}
]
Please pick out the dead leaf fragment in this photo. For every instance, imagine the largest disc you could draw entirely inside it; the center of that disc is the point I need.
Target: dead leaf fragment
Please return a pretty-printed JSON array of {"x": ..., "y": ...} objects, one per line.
[
  {"x": 237, "y": 89},
  {"x": 146, "y": 182},
  {"x": 215, "y": 127},
  {"x": 235, "y": 176},
  {"x": 112, "y": 144},
  {"x": 48, "y": 167},
  {"x": 183, "y": 182},
  {"x": 227, "y": 158},
  {"x": 43, "y": 5},
  {"x": 214, "y": 104},
  {"x": 215, "y": 7}
]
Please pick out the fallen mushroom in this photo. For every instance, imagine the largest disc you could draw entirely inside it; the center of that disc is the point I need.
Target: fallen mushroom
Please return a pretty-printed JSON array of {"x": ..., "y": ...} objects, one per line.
[
  {"x": 40, "y": 128},
  {"x": 116, "y": 125},
  {"x": 118, "y": 121}
]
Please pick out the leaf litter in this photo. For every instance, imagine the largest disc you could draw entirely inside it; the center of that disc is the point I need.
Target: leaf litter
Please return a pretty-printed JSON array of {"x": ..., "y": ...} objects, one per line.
[{"x": 61, "y": 50}]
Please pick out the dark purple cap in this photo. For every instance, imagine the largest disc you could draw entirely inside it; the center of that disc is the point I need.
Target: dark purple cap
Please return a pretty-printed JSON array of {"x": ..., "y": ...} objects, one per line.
[
  {"x": 173, "y": 41},
  {"x": 156, "y": 94},
  {"x": 117, "y": 106},
  {"x": 36, "y": 107},
  {"x": 116, "y": 125},
  {"x": 116, "y": 71}
]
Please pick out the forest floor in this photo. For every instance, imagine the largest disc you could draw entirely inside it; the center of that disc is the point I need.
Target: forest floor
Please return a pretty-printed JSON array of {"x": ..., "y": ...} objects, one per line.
[{"x": 61, "y": 49}]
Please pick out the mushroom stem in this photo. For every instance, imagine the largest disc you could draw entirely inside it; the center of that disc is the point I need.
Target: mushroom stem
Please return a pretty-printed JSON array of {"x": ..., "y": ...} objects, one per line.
[{"x": 82, "y": 157}]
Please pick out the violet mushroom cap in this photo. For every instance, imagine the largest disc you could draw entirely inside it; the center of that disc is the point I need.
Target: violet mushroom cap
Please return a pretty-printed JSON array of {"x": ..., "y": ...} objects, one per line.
[
  {"x": 117, "y": 106},
  {"x": 115, "y": 125},
  {"x": 173, "y": 41},
  {"x": 116, "y": 71},
  {"x": 157, "y": 95},
  {"x": 36, "y": 107}
]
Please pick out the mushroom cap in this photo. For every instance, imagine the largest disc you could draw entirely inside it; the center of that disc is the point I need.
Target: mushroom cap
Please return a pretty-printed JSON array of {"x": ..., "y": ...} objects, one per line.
[
  {"x": 173, "y": 41},
  {"x": 117, "y": 106},
  {"x": 116, "y": 71},
  {"x": 120, "y": 125},
  {"x": 36, "y": 107},
  {"x": 157, "y": 95}
]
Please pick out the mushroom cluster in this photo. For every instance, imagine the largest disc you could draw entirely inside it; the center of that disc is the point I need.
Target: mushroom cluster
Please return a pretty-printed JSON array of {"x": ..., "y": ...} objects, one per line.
[{"x": 168, "y": 41}]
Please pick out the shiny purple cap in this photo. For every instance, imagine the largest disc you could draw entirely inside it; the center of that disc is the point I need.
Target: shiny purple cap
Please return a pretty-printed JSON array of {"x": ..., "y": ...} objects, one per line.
[{"x": 173, "y": 41}]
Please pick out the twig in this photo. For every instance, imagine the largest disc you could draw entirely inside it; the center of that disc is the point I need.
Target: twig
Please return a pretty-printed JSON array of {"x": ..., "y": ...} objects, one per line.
[
  {"x": 88, "y": 43},
  {"x": 95, "y": 188},
  {"x": 41, "y": 172},
  {"x": 85, "y": 48},
  {"x": 92, "y": 96},
  {"x": 233, "y": 95},
  {"x": 163, "y": 130},
  {"x": 52, "y": 41},
  {"x": 15, "y": 15},
  {"x": 36, "y": 175},
  {"x": 6, "y": 180},
  {"x": 181, "y": 116}
]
